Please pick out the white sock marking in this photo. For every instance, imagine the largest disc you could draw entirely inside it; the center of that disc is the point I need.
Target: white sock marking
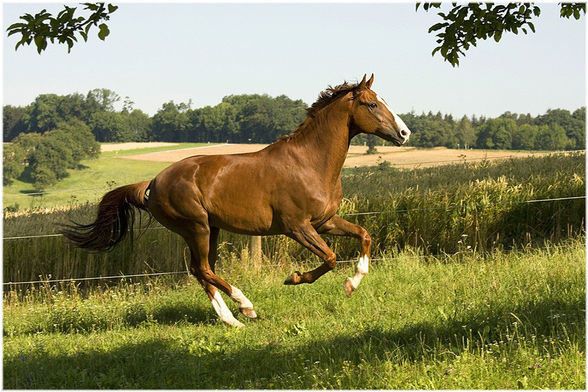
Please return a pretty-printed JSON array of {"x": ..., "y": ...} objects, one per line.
[
  {"x": 238, "y": 296},
  {"x": 361, "y": 269},
  {"x": 223, "y": 311}
]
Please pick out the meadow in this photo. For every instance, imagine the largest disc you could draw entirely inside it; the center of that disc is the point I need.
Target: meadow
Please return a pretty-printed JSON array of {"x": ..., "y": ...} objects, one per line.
[
  {"x": 453, "y": 209},
  {"x": 504, "y": 321},
  {"x": 477, "y": 282},
  {"x": 90, "y": 182}
]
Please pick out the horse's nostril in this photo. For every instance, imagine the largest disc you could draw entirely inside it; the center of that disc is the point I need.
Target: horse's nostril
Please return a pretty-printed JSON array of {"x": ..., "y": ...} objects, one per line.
[{"x": 404, "y": 133}]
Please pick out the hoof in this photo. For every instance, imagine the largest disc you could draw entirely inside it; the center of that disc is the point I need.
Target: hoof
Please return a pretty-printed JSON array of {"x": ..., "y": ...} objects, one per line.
[
  {"x": 293, "y": 279},
  {"x": 348, "y": 287},
  {"x": 235, "y": 323},
  {"x": 248, "y": 312}
]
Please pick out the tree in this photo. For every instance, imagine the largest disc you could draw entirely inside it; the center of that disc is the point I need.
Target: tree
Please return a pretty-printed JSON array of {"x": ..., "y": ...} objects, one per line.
[
  {"x": 371, "y": 143},
  {"x": 524, "y": 137},
  {"x": 110, "y": 127},
  {"x": 47, "y": 157},
  {"x": 463, "y": 25},
  {"x": 497, "y": 134},
  {"x": 574, "y": 126},
  {"x": 551, "y": 137},
  {"x": 465, "y": 132},
  {"x": 171, "y": 122},
  {"x": 139, "y": 126},
  {"x": 12, "y": 162},
  {"x": 102, "y": 99},
  {"x": 13, "y": 121},
  {"x": 63, "y": 27}
]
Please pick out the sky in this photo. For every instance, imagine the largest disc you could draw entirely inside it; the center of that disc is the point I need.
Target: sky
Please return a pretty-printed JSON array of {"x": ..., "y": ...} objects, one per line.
[{"x": 202, "y": 52}]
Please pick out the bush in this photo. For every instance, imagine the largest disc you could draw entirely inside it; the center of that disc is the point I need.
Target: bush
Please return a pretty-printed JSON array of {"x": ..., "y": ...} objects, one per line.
[{"x": 12, "y": 162}]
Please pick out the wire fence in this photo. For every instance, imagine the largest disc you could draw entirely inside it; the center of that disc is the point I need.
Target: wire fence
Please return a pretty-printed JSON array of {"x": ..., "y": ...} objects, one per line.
[
  {"x": 186, "y": 272},
  {"x": 354, "y": 214}
]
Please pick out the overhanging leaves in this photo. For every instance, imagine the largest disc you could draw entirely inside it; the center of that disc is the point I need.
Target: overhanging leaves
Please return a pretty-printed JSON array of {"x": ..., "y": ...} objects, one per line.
[
  {"x": 463, "y": 25},
  {"x": 63, "y": 27}
]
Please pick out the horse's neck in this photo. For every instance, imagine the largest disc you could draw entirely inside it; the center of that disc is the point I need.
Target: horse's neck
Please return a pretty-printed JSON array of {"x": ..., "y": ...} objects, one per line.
[{"x": 325, "y": 141}]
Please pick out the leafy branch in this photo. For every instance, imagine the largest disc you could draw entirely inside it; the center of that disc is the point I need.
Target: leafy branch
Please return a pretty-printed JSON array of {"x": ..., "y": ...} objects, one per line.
[
  {"x": 63, "y": 28},
  {"x": 464, "y": 25}
]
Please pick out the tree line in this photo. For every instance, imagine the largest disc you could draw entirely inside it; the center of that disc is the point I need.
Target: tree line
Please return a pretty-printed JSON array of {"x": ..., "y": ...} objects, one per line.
[
  {"x": 54, "y": 132},
  {"x": 255, "y": 118}
]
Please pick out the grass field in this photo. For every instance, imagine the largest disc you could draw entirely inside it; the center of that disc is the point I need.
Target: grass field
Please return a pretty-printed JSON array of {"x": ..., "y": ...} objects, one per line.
[
  {"x": 478, "y": 318},
  {"x": 508, "y": 321}
]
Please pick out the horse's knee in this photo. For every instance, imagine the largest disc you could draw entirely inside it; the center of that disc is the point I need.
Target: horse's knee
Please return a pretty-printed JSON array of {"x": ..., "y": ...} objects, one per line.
[
  {"x": 207, "y": 275},
  {"x": 366, "y": 240},
  {"x": 331, "y": 260}
]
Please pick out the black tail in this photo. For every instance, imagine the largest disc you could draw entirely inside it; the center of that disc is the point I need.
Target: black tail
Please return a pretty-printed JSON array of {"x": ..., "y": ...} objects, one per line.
[{"x": 116, "y": 216}]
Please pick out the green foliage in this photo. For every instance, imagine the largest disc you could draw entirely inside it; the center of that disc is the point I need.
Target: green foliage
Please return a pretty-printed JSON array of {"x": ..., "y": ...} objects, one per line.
[
  {"x": 171, "y": 122},
  {"x": 463, "y": 25},
  {"x": 110, "y": 127},
  {"x": 505, "y": 321},
  {"x": 12, "y": 162},
  {"x": 465, "y": 133},
  {"x": 262, "y": 119},
  {"x": 371, "y": 143},
  {"x": 46, "y": 158},
  {"x": 12, "y": 121},
  {"x": 496, "y": 134},
  {"x": 63, "y": 28}
]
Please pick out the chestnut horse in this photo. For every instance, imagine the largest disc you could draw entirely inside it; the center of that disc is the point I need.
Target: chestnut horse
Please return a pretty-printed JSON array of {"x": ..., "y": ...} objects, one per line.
[{"x": 291, "y": 187}]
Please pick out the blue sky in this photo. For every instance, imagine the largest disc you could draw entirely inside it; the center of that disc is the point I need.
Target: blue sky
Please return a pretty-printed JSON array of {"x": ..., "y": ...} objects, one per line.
[{"x": 161, "y": 52}]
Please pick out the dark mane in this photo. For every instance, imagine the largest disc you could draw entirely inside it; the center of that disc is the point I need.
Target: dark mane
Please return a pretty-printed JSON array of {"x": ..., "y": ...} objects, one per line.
[
  {"x": 328, "y": 96},
  {"x": 324, "y": 99}
]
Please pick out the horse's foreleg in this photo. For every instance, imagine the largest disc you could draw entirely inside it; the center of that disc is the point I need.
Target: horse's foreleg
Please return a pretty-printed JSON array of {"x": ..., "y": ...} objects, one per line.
[
  {"x": 339, "y": 226},
  {"x": 308, "y": 237}
]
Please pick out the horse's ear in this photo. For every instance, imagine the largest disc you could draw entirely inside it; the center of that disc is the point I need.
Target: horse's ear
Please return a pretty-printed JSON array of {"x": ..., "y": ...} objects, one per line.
[
  {"x": 370, "y": 81},
  {"x": 362, "y": 83}
]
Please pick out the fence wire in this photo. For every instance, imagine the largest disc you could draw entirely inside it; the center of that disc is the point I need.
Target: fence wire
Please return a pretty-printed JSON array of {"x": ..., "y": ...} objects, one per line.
[
  {"x": 435, "y": 256},
  {"x": 351, "y": 214}
]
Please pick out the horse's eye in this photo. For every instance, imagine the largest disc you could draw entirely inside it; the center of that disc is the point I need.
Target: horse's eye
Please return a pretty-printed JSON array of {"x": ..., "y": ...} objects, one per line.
[{"x": 372, "y": 105}]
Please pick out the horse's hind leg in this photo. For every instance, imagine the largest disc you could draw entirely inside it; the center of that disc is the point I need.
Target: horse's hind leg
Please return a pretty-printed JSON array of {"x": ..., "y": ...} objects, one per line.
[
  {"x": 199, "y": 243},
  {"x": 245, "y": 306}
]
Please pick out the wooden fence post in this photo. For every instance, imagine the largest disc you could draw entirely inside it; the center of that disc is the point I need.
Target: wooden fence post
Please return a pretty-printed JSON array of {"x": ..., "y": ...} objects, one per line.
[{"x": 255, "y": 251}]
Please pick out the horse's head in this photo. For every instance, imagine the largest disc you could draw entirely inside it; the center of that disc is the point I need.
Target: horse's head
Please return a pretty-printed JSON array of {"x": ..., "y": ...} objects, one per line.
[{"x": 372, "y": 115}]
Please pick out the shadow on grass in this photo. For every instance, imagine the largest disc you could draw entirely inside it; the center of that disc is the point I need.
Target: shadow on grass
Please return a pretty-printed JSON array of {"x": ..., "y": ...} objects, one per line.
[{"x": 204, "y": 362}]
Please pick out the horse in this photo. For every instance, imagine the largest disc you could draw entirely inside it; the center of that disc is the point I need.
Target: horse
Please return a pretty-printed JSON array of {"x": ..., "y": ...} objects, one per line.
[{"x": 291, "y": 187}]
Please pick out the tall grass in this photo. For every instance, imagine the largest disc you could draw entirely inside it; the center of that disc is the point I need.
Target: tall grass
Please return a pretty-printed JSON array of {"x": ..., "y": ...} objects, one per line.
[
  {"x": 461, "y": 209},
  {"x": 507, "y": 321}
]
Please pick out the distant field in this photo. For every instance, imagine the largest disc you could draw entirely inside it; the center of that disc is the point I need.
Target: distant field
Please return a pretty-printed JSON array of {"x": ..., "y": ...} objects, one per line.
[
  {"x": 397, "y": 156},
  {"x": 133, "y": 146},
  {"x": 141, "y": 161},
  {"x": 90, "y": 183}
]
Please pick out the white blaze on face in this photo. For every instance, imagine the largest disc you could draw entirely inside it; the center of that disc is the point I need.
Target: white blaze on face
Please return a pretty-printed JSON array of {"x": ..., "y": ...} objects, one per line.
[{"x": 401, "y": 125}]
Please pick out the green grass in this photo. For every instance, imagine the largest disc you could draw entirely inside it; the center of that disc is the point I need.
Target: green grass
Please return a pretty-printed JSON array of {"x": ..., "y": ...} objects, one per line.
[
  {"x": 91, "y": 182},
  {"x": 507, "y": 321}
]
